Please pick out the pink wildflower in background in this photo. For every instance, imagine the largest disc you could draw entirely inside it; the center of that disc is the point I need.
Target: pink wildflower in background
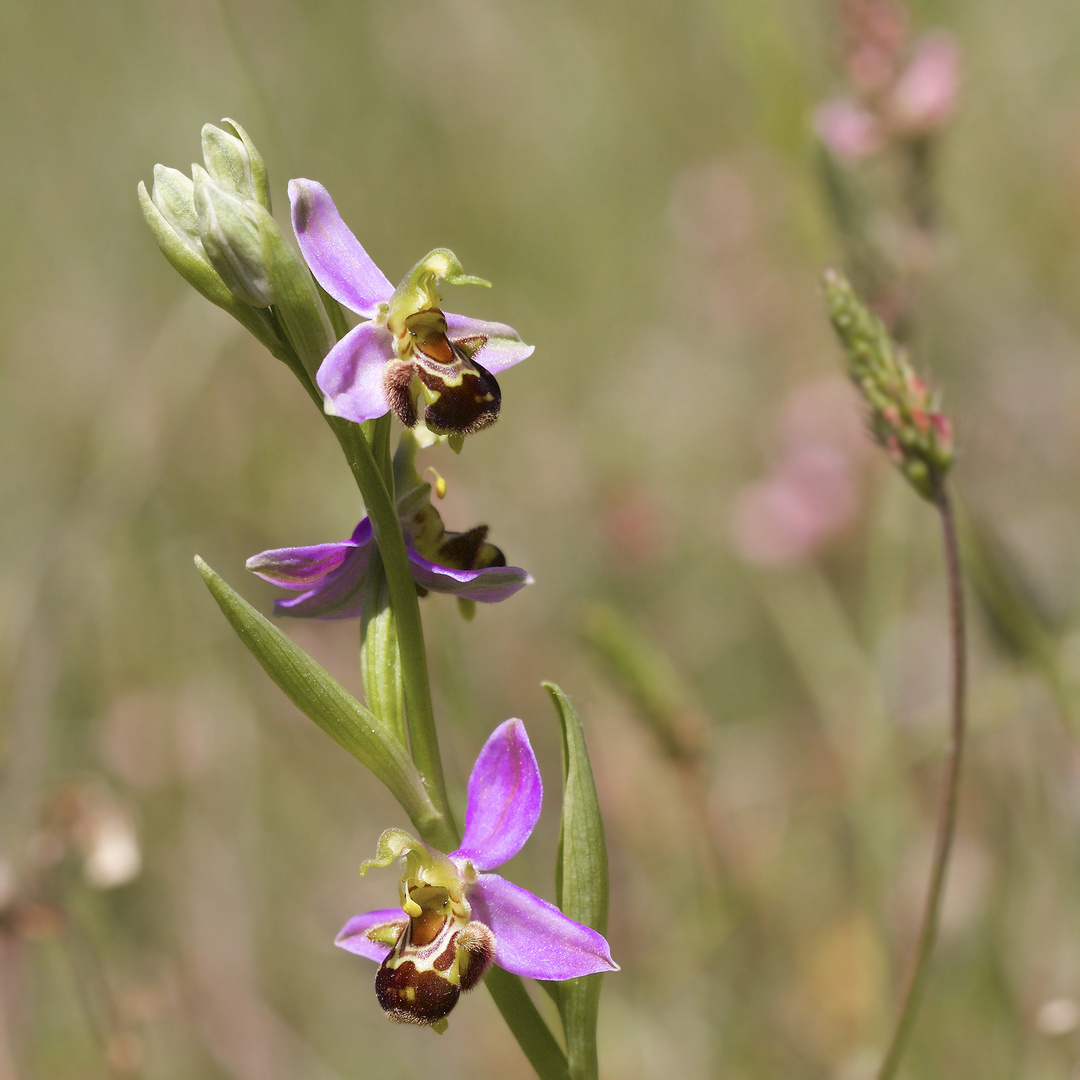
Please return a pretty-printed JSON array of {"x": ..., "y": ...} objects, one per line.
[
  {"x": 899, "y": 90},
  {"x": 811, "y": 494}
]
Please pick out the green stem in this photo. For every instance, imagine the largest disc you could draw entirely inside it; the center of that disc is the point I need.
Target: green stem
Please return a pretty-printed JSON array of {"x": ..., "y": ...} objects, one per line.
[
  {"x": 371, "y": 466},
  {"x": 527, "y": 1025},
  {"x": 419, "y": 715},
  {"x": 379, "y": 502},
  {"x": 946, "y": 826}
]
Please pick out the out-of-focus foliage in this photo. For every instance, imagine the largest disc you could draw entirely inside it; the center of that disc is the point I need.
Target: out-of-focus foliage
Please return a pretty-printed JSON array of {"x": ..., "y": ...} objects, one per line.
[{"x": 640, "y": 181}]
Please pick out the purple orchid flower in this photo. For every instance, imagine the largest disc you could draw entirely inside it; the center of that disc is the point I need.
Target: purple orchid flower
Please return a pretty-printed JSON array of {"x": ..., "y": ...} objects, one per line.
[
  {"x": 332, "y": 575},
  {"x": 408, "y": 350},
  {"x": 456, "y": 918}
]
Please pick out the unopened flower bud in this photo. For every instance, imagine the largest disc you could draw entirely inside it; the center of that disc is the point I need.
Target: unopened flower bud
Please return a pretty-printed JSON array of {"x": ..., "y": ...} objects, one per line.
[
  {"x": 170, "y": 212},
  {"x": 222, "y": 249},
  {"x": 174, "y": 195},
  {"x": 232, "y": 161},
  {"x": 230, "y": 228},
  {"x": 904, "y": 414}
]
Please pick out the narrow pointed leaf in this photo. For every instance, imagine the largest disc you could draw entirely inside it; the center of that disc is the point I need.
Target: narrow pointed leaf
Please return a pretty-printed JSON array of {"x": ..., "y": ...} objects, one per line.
[
  {"x": 649, "y": 679},
  {"x": 581, "y": 885},
  {"x": 380, "y": 658},
  {"x": 321, "y": 698}
]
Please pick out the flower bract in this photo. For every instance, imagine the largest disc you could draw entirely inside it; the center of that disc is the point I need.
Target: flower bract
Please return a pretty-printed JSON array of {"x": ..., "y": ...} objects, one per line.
[
  {"x": 456, "y": 918},
  {"x": 408, "y": 356}
]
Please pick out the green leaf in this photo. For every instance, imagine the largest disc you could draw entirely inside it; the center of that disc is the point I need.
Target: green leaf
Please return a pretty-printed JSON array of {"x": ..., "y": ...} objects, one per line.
[
  {"x": 321, "y": 698},
  {"x": 380, "y": 657},
  {"x": 581, "y": 885}
]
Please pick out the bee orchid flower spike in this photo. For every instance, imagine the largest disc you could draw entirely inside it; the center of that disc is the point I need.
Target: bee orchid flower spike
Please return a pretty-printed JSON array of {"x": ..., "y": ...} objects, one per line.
[{"x": 456, "y": 917}]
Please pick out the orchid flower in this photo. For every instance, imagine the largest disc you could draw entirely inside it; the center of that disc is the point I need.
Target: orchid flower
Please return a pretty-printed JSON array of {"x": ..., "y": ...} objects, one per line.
[
  {"x": 456, "y": 918},
  {"x": 331, "y": 576},
  {"x": 409, "y": 351}
]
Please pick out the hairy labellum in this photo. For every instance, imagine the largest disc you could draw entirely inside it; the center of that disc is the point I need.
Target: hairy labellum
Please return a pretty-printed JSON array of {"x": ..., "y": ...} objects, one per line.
[
  {"x": 459, "y": 396},
  {"x": 439, "y": 955}
]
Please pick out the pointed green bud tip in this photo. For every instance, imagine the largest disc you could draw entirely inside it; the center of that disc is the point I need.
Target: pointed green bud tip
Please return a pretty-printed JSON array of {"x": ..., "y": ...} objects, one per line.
[
  {"x": 170, "y": 221},
  {"x": 227, "y": 161},
  {"x": 174, "y": 196},
  {"x": 233, "y": 160},
  {"x": 904, "y": 413},
  {"x": 231, "y": 231}
]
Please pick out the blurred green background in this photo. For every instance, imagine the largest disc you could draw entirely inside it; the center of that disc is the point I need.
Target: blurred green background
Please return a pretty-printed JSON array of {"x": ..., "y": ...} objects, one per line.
[{"x": 641, "y": 182}]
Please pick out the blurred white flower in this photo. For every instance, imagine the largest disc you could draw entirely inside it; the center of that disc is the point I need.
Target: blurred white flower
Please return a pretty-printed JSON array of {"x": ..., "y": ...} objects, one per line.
[{"x": 1058, "y": 1016}]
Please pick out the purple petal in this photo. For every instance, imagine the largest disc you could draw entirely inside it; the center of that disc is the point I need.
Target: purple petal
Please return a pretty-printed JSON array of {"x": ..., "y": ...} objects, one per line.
[
  {"x": 502, "y": 349},
  {"x": 534, "y": 938},
  {"x": 299, "y": 567},
  {"x": 332, "y": 574},
  {"x": 340, "y": 265},
  {"x": 351, "y": 376},
  {"x": 488, "y": 586},
  {"x": 354, "y": 934},
  {"x": 505, "y": 795}
]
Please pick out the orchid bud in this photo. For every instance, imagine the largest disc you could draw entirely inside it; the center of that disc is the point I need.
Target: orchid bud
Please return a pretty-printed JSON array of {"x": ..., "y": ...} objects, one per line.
[
  {"x": 231, "y": 230},
  {"x": 233, "y": 162},
  {"x": 170, "y": 212},
  {"x": 174, "y": 195}
]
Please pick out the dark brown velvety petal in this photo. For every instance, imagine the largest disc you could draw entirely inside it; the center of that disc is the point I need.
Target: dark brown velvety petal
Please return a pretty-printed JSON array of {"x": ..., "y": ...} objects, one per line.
[
  {"x": 465, "y": 396},
  {"x": 410, "y": 996}
]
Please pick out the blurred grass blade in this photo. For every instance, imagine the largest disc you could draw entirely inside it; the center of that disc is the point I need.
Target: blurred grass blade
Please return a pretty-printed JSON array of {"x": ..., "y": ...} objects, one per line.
[
  {"x": 321, "y": 698},
  {"x": 851, "y": 203},
  {"x": 649, "y": 679},
  {"x": 581, "y": 885},
  {"x": 1017, "y": 618}
]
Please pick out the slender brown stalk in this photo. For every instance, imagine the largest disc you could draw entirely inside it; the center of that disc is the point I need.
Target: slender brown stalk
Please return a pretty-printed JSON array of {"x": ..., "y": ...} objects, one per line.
[{"x": 946, "y": 823}]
